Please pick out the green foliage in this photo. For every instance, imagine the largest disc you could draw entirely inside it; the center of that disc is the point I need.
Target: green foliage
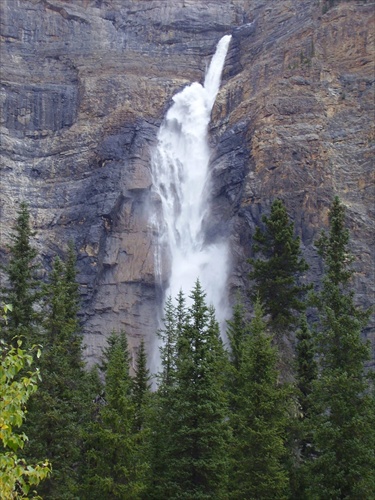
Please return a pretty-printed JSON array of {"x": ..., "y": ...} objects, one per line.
[
  {"x": 237, "y": 330},
  {"x": 22, "y": 290},
  {"x": 141, "y": 389},
  {"x": 115, "y": 465},
  {"x": 168, "y": 339},
  {"x": 306, "y": 366},
  {"x": 192, "y": 463},
  {"x": 259, "y": 417},
  {"x": 276, "y": 273},
  {"x": 58, "y": 410},
  {"x": 301, "y": 439},
  {"x": 17, "y": 476},
  {"x": 219, "y": 425},
  {"x": 342, "y": 399},
  {"x": 161, "y": 438}
]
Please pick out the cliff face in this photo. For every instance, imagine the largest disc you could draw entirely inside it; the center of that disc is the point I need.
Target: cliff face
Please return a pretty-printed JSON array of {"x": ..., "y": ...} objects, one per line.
[{"x": 85, "y": 85}]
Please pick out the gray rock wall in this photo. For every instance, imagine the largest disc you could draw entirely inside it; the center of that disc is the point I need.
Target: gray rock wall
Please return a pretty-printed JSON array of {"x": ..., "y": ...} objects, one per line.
[{"x": 85, "y": 85}]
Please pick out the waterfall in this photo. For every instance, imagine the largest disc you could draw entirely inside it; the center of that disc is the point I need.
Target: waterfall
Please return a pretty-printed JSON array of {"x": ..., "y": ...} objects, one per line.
[{"x": 180, "y": 177}]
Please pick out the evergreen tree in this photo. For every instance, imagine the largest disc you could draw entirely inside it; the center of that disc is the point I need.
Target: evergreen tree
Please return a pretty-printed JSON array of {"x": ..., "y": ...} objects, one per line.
[
  {"x": 259, "y": 420},
  {"x": 58, "y": 410},
  {"x": 306, "y": 372},
  {"x": 306, "y": 366},
  {"x": 141, "y": 389},
  {"x": 114, "y": 467},
  {"x": 198, "y": 453},
  {"x": 168, "y": 339},
  {"x": 162, "y": 435},
  {"x": 237, "y": 330},
  {"x": 277, "y": 272},
  {"x": 72, "y": 305},
  {"x": 343, "y": 416},
  {"x": 23, "y": 287}
]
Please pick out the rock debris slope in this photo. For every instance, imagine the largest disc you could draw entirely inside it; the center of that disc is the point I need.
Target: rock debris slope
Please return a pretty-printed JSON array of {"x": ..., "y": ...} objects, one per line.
[{"x": 86, "y": 83}]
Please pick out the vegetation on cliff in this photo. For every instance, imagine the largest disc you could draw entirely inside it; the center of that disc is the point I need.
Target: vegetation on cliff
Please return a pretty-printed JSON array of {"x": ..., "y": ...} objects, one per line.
[{"x": 220, "y": 424}]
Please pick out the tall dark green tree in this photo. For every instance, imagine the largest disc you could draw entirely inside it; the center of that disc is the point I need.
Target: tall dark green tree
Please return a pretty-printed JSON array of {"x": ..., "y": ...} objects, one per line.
[
  {"x": 198, "y": 466},
  {"x": 162, "y": 435},
  {"x": 114, "y": 467},
  {"x": 277, "y": 272},
  {"x": 237, "y": 330},
  {"x": 306, "y": 366},
  {"x": 23, "y": 289},
  {"x": 72, "y": 304},
  {"x": 195, "y": 460},
  {"x": 259, "y": 419},
  {"x": 58, "y": 410},
  {"x": 141, "y": 387},
  {"x": 168, "y": 349},
  {"x": 301, "y": 439},
  {"x": 342, "y": 399}
]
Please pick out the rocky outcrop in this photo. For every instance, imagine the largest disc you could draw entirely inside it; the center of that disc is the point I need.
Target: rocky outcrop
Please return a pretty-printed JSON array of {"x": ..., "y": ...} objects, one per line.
[
  {"x": 85, "y": 85},
  {"x": 296, "y": 121}
]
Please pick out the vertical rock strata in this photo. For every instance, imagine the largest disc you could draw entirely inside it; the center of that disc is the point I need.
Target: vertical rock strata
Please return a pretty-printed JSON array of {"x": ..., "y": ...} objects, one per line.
[{"x": 85, "y": 85}]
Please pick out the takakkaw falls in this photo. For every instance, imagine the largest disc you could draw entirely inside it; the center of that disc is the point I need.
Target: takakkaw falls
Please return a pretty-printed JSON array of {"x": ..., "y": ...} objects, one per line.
[
  {"x": 180, "y": 174},
  {"x": 187, "y": 221},
  {"x": 156, "y": 135}
]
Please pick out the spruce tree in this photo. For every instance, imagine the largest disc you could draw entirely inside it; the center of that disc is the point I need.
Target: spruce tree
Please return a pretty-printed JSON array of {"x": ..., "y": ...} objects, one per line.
[
  {"x": 23, "y": 286},
  {"x": 141, "y": 389},
  {"x": 306, "y": 366},
  {"x": 168, "y": 340},
  {"x": 343, "y": 413},
  {"x": 162, "y": 435},
  {"x": 114, "y": 466},
  {"x": 198, "y": 456},
  {"x": 259, "y": 419},
  {"x": 276, "y": 273},
  {"x": 72, "y": 304},
  {"x": 301, "y": 440},
  {"x": 237, "y": 329},
  {"x": 58, "y": 410},
  {"x": 191, "y": 425}
]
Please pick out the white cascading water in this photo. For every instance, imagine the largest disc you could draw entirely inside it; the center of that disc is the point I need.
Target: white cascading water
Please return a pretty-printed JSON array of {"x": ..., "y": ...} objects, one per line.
[{"x": 181, "y": 180}]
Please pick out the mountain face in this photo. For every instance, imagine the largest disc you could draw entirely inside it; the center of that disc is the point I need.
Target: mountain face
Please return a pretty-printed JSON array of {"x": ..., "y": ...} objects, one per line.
[{"x": 86, "y": 84}]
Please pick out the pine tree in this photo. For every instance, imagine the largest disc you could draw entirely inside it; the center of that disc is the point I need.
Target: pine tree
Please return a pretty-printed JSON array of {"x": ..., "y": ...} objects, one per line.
[
  {"x": 277, "y": 272},
  {"x": 58, "y": 410},
  {"x": 23, "y": 287},
  {"x": 237, "y": 330},
  {"x": 259, "y": 420},
  {"x": 306, "y": 366},
  {"x": 190, "y": 427},
  {"x": 198, "y": 457},
  {"x": 301, "y": 441},
  {"x": 141, "y": 388},
  {"x": 168, "y": 339},
  {"x": 343, "y": 416},
  {"x": 72, "y": 305},
  {"x": 162, "y": 434},
  {"x": 114, "y": 466}
]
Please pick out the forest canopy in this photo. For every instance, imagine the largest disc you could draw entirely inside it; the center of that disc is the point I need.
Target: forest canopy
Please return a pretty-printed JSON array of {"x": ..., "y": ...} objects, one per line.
[{"x": 284, "y": 410}]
